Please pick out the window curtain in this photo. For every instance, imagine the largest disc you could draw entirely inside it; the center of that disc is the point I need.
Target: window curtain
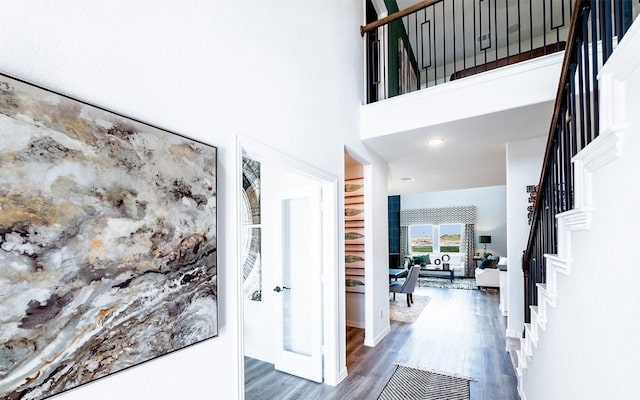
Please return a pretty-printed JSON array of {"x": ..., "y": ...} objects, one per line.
[
  {"x": 404, "y": 243},
  {"x": 467, "y": 244}
]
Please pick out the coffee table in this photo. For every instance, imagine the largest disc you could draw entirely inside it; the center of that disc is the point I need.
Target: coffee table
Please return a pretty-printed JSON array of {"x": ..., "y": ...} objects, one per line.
[{"x": 436, "y": 273}]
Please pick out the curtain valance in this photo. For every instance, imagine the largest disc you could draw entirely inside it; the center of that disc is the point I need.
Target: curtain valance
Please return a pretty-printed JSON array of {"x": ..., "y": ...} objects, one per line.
[{"x": 444, "y": 215}]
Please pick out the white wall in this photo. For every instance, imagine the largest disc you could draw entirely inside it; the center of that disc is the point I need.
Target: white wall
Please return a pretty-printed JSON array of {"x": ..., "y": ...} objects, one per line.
[
  {"x": 587, "y": 350},
  {"x": 208, "y": 70},
  {"x": 377, "y": 257},
  {"x": 524, "y": 162},
  {"x": 490, "y": 203}
]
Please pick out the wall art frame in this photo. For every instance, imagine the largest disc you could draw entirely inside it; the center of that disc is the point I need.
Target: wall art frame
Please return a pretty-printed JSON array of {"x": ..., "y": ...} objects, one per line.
[{"x": 108, "y": 242}]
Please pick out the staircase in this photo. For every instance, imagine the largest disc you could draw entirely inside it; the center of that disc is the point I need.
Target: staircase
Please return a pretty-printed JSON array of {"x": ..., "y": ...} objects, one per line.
[{"x": 605, "y": 175}]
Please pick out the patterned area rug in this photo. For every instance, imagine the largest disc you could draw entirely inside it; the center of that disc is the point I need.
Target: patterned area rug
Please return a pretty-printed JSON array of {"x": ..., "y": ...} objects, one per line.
[
  {"x": 398, "y": 310},
  {"x": 458, "y": 283},
  {"x": 411, "y": 383}
]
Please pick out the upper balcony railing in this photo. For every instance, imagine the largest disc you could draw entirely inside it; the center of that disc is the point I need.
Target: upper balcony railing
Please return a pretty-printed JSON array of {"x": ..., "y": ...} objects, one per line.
[{"x": 436, "y": 41}]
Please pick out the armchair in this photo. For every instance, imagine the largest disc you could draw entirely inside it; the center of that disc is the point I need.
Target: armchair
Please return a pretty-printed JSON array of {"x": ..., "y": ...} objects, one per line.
[
  {"x": 407, "y": 286},
  {"x": 487, "y": 274}
]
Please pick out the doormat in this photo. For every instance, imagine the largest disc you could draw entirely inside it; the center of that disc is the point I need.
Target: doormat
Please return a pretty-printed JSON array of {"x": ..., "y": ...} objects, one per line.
[
  {"x": 413, "y": 383},
  {"x": 398, "y": 310}
]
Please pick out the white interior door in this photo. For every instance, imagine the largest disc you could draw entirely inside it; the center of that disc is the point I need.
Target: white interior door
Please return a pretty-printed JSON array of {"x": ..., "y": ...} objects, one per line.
[{"x": 299, "y": 293}]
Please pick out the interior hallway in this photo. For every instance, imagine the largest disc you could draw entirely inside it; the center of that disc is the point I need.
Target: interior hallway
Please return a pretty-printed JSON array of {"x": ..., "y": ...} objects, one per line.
[{"x": 460, "y": 331}]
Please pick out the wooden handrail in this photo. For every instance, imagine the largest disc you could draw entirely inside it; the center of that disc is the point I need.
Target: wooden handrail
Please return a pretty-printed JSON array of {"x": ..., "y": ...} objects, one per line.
[{"x": 397, "y": 15}]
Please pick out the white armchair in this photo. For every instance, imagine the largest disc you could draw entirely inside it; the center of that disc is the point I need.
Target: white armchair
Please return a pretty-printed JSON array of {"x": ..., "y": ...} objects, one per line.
[{"x": 489, "y": 277}]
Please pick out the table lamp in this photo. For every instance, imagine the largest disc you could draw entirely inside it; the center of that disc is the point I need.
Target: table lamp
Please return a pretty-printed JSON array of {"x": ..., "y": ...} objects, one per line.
[{"x": 484, "y": 239}]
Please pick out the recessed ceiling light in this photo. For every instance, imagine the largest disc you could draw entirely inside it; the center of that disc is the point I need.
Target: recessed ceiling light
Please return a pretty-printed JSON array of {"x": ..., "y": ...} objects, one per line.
[
  {"x": 408, "y": 179},
  {"x": 436, "y": 142}
]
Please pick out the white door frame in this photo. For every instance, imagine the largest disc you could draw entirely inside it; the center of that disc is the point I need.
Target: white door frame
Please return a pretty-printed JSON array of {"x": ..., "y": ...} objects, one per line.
[{"x": 333, "y": 300}]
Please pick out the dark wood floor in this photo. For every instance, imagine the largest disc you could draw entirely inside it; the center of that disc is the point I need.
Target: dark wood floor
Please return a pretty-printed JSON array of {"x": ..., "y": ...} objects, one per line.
[{"x": 460, "y": 331}]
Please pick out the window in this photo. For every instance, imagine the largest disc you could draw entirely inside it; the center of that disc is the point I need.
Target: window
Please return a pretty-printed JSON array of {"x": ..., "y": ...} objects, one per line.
[
  {"x": 450, "y": 238},
  {"x": 429, "y": 238},
  {"x": 421, "y": 238}
]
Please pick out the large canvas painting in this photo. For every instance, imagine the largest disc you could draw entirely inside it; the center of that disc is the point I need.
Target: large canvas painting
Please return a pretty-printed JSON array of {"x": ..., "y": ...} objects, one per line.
[{"x": 107, "y": 242}]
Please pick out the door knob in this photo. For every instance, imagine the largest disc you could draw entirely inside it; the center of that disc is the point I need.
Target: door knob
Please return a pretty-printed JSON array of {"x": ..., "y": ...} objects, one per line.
[{"x": 280, "y": 289}]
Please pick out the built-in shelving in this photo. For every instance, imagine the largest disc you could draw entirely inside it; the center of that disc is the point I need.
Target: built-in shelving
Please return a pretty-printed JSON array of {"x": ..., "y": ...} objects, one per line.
[{"x": 354, "y": 234}]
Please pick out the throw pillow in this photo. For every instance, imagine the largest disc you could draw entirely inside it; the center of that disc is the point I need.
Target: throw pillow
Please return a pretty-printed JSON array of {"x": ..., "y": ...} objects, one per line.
[
  {"x": 488, "y": 262},
  {"x": 420, "y": 260}
]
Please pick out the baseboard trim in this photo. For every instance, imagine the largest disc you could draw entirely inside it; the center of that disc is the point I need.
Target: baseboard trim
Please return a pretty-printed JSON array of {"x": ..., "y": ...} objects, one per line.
[
  {"x": 355, "y": 324},
  {"x": 378, "y": 339},
  {"x": 342, "y": 374}
]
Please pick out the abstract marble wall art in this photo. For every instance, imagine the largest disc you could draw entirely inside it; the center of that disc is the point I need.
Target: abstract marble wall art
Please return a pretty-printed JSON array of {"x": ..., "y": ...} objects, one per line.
[{"x": 108, "y": 238}]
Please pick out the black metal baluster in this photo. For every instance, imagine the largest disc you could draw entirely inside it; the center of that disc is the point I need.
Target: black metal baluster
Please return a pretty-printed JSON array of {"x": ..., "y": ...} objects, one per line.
[
  {"x": 495, "y": 27},
  {"x": 519, "y": 31},
  {"x": 435, "y": 46},
  {"x": 583, "y": 96},
  {"x": 617, "y": 16},
  {"x": 464, "y": 40},
  {"x": 453, "y": 12},
  {"x": 552, "y": 229},
  {"x": 566, "y": 141},
  {"x": 444, "y": 45},
  {"x": 570, "y": 141},
  {"x": 506, "y": 28},
  {"x": 531, "y": 33},
  {"x": 562, "y": 158},
  {"x": 549, "y": 231},
  {"x": 594, "y": 132},
  {"x": 486, "y": 60},
  {"x": 605, "y": 30},
  {"x": 557, "y": 173},
  {"x": 550, "y": 16},
  {"x": 563, "y": 19},
  {"x": 385, "y": 65},
  {"x": 586, "y": 129},
  {"x": 544, "y": 26},
  {"x": 627, "y": 18},
  {"x": 572, "y": 107},
  {"x": 419, "y": 51},
  {"x": 475, "y": 35},
  {"x": 426, "y": 68}
]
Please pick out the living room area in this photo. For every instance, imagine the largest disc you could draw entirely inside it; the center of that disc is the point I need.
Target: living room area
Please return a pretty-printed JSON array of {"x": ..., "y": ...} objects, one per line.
[{"x": 455, "y": 236}]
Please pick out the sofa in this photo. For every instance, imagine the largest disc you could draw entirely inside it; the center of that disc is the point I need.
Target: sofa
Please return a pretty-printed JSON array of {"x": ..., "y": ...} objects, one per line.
[
  {"x": 487, "y": 272},
  {"x": 434, "y": 261}
]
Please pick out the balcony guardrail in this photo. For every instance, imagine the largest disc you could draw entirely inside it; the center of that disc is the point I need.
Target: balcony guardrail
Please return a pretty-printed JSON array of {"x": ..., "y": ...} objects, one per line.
[
  {"x": 436, "y": 41},
  {"x": 596, "y": 27}
]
